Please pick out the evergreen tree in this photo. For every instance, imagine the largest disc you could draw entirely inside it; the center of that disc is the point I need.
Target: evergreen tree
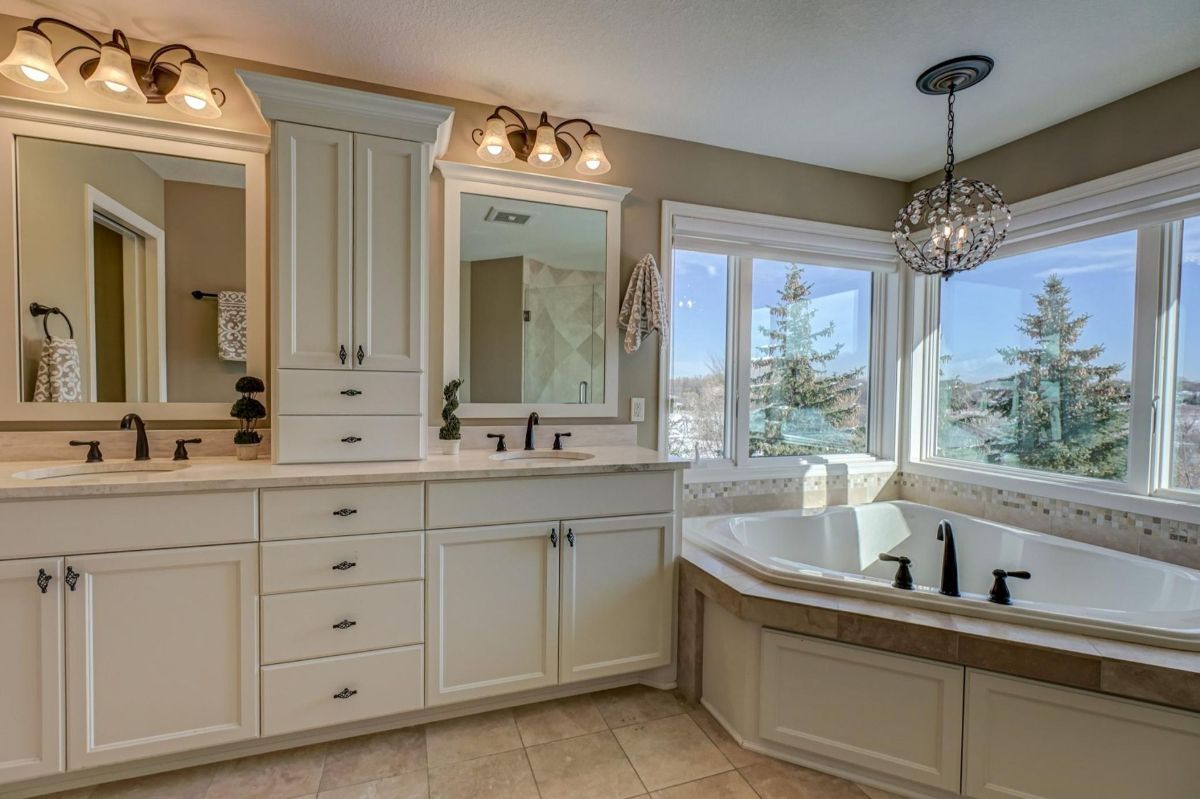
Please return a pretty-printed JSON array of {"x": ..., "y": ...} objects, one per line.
[
  {"x": 790, "y": 385},
  {"x": 966, "y": 429},
  {"x": 1068, "y": 412}
]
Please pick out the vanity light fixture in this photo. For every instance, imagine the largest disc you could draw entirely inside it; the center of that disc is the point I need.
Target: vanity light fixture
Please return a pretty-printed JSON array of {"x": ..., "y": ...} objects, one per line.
[
  {"x": 114, "y": 72},
  {"x": 966, "y": 219},
  {"x": 545, "y": 146}
]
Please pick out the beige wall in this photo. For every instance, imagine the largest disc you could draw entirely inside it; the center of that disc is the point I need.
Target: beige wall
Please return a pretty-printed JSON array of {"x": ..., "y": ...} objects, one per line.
[
  {"x": 51, "y": 181},
  {"x": 1155, "y": 123},
  {"x": 206, "y": 234},
  {"x": 497, "y": 294}
]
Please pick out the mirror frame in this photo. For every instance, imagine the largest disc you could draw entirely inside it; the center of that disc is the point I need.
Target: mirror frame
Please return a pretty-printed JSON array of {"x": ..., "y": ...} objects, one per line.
[
  {"x": 463, "y": 179},
  {"x": 84, "y": 126}
]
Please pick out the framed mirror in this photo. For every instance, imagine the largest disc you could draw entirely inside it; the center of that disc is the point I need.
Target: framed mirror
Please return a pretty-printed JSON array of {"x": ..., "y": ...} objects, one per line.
[
  {"x": 139, "y": 274},
  {"x": 531, "y": 292}
]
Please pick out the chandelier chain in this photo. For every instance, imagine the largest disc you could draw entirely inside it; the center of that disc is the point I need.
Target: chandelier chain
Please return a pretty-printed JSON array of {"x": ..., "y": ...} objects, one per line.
[{"x": 949, "y": 167}]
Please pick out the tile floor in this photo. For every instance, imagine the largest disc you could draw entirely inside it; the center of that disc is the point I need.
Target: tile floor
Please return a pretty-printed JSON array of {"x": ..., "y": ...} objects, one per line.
[{"x": 626, "y": 742}]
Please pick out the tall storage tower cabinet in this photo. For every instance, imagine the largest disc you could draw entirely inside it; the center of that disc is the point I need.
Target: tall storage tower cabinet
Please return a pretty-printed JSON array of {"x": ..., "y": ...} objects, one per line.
[{"x": 349, "y": 217}]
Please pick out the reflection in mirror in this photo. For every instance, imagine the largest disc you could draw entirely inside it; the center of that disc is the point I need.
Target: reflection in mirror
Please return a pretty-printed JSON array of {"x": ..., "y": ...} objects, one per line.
[
  {"x": 112, "y": 244},
  {"x": 532, "y": 283}
]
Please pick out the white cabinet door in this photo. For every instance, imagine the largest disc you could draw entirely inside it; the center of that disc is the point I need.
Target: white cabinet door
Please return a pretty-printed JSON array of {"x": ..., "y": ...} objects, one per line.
[
  {"x": 31, "y": 690},
  {"x": 898, "y": 715},
  {"x": 389, "y": 234},
  {"x": 161, "y": 652},
  {"x": 618, "y": 579},
  {"x": 313, "y": 245},
  {"x": 1037, "y": 741},
  {"x": 491, "y": 624}
]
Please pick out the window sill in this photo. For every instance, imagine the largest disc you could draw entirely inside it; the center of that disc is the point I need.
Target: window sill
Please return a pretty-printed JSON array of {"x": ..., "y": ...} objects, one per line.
[
  {"x": 1114, "y": 497},
  {"x": 724, "y": 472}
]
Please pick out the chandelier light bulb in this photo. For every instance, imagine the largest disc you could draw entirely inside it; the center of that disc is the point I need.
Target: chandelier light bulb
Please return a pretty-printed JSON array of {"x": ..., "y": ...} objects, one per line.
[
  {"x": 494, "y": 146},
  {"x": 31, "y": 63},
  {"x": 192, "y": 93},
  {"x": 545, "y": 153},
  {"x": 113, "y": 76},
  {"x": 592, "y": 160}
]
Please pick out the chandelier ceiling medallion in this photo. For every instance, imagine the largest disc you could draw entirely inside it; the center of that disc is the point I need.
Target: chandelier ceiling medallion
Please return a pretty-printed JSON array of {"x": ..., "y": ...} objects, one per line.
[
  {"x": 113, "y": 71},
  {"x": 958, "y": 224},
  {"x": 545, "y": 146}
]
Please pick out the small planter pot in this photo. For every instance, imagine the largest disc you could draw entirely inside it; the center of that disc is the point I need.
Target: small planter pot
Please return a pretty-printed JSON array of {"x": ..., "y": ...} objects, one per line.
[
  {"x": 246, "y": 452},
  {"x": 450, "y": 446}
]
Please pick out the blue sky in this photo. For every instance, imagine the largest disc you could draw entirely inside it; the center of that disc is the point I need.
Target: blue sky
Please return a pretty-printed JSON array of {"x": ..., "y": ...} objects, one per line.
[{"x": 980, "y": 308}]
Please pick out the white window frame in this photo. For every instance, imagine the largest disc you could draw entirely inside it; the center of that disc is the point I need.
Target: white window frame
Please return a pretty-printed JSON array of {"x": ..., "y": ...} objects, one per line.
[
  {"x": 1149, "y": 199},
  {"x": 742, "y": 236}
]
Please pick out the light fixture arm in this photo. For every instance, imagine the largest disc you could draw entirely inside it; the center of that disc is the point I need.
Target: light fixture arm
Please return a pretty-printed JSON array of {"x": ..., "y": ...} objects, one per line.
[
  {"x": 58, "y": 61},
  {"x": 36, "y": 27},
  {"x": 167, "y": 48}
]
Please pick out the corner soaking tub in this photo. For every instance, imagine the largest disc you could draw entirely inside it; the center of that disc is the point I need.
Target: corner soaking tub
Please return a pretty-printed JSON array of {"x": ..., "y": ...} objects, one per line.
[{"x": 1074, "y": 586}]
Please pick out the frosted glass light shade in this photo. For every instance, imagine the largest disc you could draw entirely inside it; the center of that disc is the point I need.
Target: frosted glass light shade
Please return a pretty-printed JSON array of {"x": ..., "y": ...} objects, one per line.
[
  {"x": 114, "y": 78},
  {"x": 545, "y": 152},
  {"x": 494, "y": 146},
  {"x": 192, "y": 93},
  {"x": 592, "y": 160},
  {"x": 31, "y": 63}
]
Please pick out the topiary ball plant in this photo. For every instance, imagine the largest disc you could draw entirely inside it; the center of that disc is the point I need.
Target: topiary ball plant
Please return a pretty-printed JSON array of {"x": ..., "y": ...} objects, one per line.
[
  {"x": 247, "y": 410},
  {"x": 451, "y": 429}
]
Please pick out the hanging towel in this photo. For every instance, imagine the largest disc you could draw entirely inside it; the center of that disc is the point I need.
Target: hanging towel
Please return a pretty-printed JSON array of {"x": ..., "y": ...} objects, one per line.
[
  {"x": 58, "y": 372},
  {"x": 643, "y": 309},
  {"x": 231, "y": 325}
]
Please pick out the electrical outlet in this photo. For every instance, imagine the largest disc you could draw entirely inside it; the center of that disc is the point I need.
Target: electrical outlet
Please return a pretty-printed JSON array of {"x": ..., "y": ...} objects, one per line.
[{"x": 637, "y": 409}]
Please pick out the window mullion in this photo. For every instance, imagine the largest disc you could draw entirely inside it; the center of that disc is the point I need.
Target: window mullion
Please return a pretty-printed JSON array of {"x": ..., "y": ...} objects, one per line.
[
  {"x": 1166, "y": 354},
  {"x": 743, "y": 357}
]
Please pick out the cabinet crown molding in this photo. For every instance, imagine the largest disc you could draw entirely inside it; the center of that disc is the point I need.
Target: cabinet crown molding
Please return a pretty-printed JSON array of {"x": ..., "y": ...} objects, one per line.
[
  {"x": 531, "y": 180},
  {"x": 291, "y": 100}
]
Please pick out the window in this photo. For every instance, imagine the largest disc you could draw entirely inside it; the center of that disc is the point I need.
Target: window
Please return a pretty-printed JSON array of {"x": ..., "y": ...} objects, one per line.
[
  {"x": 1185, "y": 462},
  {"x": 776, "y": 340},
  {"x": 1035, "y": 360}
]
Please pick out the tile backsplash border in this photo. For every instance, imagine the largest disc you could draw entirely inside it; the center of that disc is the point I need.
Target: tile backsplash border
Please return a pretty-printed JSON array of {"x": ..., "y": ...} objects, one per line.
[{"x": 1150, "y": 536}]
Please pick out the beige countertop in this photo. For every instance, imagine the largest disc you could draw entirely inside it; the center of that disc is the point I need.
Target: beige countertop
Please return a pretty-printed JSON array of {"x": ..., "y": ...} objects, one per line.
[{"x": 216, "y": 474}]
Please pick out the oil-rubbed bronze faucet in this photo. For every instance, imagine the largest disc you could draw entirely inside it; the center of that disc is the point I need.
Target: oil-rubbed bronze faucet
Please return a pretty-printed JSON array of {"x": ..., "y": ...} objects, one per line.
[
  {"x": 142, "y": 449},
  {"x": 529, "y": 423}
]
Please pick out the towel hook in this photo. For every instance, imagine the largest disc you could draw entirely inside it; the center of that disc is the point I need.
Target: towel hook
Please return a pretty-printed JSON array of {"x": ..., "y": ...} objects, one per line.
[{"x": 36, "y": 309}]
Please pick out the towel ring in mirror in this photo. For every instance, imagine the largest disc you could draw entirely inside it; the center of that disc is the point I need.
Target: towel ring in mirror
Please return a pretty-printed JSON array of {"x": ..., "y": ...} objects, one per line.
[{"x": 44, "y": 311}]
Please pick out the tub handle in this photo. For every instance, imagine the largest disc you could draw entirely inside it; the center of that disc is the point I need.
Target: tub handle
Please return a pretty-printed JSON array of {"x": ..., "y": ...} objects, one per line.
[
  {"x": 903, "y": 578},
  {"x": 1000, "y": 593}
]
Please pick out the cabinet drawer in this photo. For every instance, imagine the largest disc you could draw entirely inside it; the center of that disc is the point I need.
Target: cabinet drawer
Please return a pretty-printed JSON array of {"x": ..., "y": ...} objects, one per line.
[
  {"x": 333, "y": 439},
  {"x": 36, "y": 527},
  {"x": 341, "y": 510},
  {"x": 465, "y": 503},
  {"x": 361, "y": 560},
  {"x": 341, "y": 391},
  {"x": 337, "y": 621},
  {"x": 895, "y": 714},
  {"x": 302, "y": 696}
]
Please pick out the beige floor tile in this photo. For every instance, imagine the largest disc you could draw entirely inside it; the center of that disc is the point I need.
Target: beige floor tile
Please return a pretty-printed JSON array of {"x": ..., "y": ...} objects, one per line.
[
  {"x": 465, "y": 738},
  {"x": 587, "y": 767},
  {"x": 411, "y": 785},
  {"x": 278, "y": 775},
  {"x": 775, "y": 779},
  {"x": 729, "y": 785},
  {"x": 188, "y": 783},
  {"x": 733, "y": 751},
  {"x": 503, "y": 776},
  {"x": 670, "y": 751},
  {"x": 635, "y": 704},
  {"x": 558, "y": 719},
  {"x": 373, "y": 757}
]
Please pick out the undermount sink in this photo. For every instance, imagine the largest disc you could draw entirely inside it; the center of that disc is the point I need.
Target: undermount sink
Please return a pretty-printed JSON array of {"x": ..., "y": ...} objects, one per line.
[
  {"x": 77, "y": 469},
  {"x": 543, "y": 455}
]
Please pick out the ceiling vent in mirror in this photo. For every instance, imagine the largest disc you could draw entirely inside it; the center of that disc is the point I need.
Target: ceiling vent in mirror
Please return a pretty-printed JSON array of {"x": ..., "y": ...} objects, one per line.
[{"x": 494, "y": 214}]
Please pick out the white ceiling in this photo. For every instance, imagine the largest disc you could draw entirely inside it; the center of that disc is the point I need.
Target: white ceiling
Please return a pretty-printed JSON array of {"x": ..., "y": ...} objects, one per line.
[
  {"x": 823, "y": 81},
  {"x": 559, "y": 235}
]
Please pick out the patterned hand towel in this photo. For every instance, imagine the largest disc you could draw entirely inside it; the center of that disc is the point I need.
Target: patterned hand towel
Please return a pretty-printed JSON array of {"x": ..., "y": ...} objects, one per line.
[
  {"x": 643, "y": 310},
  {"x": 58, "y": 372},
  {"x": 231, "y": 325}
]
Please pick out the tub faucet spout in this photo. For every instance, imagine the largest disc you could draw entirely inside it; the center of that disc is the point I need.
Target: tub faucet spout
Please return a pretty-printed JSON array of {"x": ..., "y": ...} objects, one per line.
[{"x": 949, "y": 560}]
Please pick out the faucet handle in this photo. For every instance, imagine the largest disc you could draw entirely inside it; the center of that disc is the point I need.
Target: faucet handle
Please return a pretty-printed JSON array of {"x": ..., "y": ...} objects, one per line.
[
  {"x": 500, "y": 445},
  {"x": 94, "y": 455},
  {"x": 558, "y": 437},
  {"x": 1000, "y": 593},
  {"x": 181, "y": 453},
  {"x": 903, "y": 578}
]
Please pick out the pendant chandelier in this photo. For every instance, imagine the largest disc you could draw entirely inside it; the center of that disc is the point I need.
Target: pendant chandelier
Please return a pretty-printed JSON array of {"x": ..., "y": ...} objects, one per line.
[{"x": 959, "y": 223}]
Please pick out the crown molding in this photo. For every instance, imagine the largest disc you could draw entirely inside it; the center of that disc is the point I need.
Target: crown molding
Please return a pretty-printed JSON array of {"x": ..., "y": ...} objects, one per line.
[
  {"x": 291, "y": 100},
  {"x": 112, "y": 122},
  {"x": 495, "y": 176}
]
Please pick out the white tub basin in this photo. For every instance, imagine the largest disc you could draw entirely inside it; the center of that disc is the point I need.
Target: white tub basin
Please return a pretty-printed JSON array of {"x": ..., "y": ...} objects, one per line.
[
  {"x": 1074, "y": 586},
  {"x": 77, "y": 469},
  {"x": 548, "y": 455}
]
